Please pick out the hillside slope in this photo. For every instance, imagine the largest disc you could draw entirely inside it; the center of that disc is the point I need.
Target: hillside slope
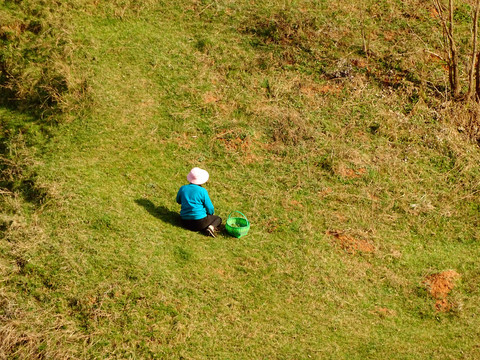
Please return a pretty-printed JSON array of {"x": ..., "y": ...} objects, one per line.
[{"x": 363, "y": 197}]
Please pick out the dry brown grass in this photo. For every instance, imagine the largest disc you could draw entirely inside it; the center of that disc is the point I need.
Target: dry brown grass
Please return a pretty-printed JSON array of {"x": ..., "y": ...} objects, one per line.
[
  {"x": 351, "y": 244},
  {"x": 38, "y": 340},
  {"x": 36, "y": 72},
  {"x": 465, "y": 117}
]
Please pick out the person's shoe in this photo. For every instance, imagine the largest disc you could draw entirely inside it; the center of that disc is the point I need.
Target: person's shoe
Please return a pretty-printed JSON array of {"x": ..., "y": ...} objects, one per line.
[{"x": 210, "y": 231}]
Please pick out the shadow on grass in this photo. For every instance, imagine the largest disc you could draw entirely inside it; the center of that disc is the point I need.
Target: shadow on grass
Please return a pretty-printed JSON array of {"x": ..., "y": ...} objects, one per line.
[{"x": 160, "y": 212}]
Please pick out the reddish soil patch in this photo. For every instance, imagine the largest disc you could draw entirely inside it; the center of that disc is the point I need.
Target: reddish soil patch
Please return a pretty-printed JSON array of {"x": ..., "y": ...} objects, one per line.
[
  {"x": 296, "y": 203},
  {"x": 311, "y": 90},
  {"x": 360, "y": 63},
  {"x": 439, "y": 286},
  {"x": 272, "y": 225},
  {"x": 389, "y": 35},
  {"x": 328, "y": 89},
  {"x": 231, "y": 141},
  {"x": 292, "y": 205},
  {"x": 325, "y": 192},
  {"x": 234, "y": 143},
  {"x": 384, "y": 312},
  {"x": 352, "y": 173},
  {"x": 443, "y": 305},
  {"x": 184, "y": 140},
  {"x": 209, "y": 98},
  {"x": 351, "y": 244},
  {"x": 308, "y": 90},
  {"x": 433, "y": 13},
  {"x": 220, "y": 272},
  {"x": 241, "y": 144},
  {"x": 340, "y": 216}
]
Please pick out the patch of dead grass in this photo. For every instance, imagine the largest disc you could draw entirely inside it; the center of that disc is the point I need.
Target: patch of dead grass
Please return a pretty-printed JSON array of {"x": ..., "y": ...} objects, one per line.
[
  {"x": 311, "y": 89},
  {"x": 466, "y": 119},
  {"x": 350, "y": 173},
  {"x": 209, "y": 98},
  {"x": 351, "y": 244},
  {"x": 236, "y": 141},
  {"x": 383, "y": 312}
]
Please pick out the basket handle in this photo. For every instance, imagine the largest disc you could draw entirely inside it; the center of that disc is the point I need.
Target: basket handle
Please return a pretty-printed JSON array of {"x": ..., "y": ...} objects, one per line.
[{"x": 229, "y": 216}]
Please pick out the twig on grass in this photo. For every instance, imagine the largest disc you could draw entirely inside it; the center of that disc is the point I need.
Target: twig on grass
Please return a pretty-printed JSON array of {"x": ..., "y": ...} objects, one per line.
[{"x": 206, "y": 7}]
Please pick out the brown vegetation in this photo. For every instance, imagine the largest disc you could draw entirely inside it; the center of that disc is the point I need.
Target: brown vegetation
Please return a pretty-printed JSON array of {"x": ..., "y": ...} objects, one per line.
[
  {"x": 349, "y": 173},
  {"x": 36, "y": 74},
  {"x": 384, "y": 312},
  {"x": 351, "y": 244}
]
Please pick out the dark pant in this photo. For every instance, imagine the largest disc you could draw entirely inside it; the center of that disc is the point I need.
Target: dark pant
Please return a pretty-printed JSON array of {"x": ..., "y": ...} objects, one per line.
[{"x": 202, "y": 224}]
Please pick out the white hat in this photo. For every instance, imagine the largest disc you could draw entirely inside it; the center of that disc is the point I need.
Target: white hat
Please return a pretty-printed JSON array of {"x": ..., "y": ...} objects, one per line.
[{"x": 197, "y": 176}]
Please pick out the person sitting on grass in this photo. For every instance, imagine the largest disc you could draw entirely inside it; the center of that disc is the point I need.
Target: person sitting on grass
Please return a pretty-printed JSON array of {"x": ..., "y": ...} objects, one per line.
[{"x": 197, "y": 209}]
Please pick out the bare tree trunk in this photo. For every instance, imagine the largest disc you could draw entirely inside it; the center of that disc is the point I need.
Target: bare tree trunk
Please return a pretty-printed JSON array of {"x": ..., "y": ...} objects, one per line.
[
  {"x": 477, "y": 78},
  {"x": 453, "y": 49},
  {"x": 474, "y": 52}
]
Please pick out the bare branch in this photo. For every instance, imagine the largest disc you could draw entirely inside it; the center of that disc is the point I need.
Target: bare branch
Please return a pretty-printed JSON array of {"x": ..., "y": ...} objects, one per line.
[
  {"x": 440, "y": 57},
  {"x": 474, "y": 50}
]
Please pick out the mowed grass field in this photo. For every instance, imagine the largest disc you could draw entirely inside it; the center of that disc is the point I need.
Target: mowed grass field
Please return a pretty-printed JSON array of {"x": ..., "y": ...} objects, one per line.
[{"x": 315, "y": 120}]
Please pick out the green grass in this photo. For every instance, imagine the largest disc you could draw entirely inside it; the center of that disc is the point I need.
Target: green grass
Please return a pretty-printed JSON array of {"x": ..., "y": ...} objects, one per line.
[{"x": 100, "y": 268}]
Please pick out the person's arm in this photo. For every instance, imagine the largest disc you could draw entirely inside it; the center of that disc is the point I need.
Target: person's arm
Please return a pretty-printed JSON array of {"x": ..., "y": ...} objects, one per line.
[
  {"x": 208, "y": 204},
  {"x": 179, "y": 201}
]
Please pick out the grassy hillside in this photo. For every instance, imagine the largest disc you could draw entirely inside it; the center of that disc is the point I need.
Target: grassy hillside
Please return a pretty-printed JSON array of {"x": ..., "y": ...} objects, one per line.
[{"x": 325, "y": 123}]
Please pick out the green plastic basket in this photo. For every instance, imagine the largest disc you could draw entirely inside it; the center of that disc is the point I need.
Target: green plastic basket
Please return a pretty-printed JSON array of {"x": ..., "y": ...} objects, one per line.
[{"x": 237, "y": 226}]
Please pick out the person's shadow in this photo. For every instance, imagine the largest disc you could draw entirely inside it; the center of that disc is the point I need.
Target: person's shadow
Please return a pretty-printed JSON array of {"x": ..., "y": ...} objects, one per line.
[{"x": 160, "y": 212}]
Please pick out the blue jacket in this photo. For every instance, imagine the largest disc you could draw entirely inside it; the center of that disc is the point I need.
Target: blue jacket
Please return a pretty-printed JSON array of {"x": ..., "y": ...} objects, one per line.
[{"x": 196, "y": 203}]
